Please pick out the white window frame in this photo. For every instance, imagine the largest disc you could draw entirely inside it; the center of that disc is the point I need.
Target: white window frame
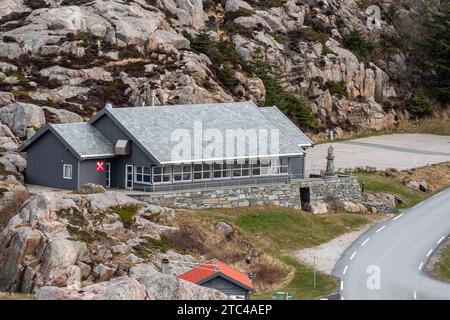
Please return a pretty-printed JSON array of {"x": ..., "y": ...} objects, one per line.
[
  {"x": 108, "y": 174},
  {"x": 140, "y": 170},
  {"x": 202, "y": 172},
  {"x": 64, "y": 171},
  {"x": 261, "y": 167},
  {"x": 162, "y": 174},
  {"x": 186, "y": 169},
  {"x": 276, "y": 166},
  {"x": 239, "y": 168},
  {"x": 224, "y": 168}
]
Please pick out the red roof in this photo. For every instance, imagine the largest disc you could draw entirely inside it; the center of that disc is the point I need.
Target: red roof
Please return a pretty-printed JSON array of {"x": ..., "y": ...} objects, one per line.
[{"x": 213, "y": 267}]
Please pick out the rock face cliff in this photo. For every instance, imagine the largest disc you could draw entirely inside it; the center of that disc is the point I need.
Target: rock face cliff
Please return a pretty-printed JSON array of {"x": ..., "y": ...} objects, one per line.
[{"x": 71, "y": 56}]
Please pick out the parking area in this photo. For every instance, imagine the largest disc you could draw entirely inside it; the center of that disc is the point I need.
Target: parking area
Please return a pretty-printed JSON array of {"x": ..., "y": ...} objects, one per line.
[{"x": 400, "y": 151}]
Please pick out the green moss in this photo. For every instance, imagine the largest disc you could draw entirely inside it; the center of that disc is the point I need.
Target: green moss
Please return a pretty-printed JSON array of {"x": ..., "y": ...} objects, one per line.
[
  {"x": 126, "y": 213},
  {"x": 245, "y": 12},
  {"x": 314, "y": 36},
  {"x": 364, "y": 4},
  {"x": 20, "y": 94},
  {"x": 149, "y": 246},
  {"x": 327, "y": 50},
  {"x": 318, "y": 79},
  {"x": 3, "y": 191},
  {"x": 278, "y": 38}
]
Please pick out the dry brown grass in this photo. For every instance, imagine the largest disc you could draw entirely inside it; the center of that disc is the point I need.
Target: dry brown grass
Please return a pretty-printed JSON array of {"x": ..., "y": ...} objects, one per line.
[
  {"x": 12, "y": 207},
  {"x": 437, "y": 176}
]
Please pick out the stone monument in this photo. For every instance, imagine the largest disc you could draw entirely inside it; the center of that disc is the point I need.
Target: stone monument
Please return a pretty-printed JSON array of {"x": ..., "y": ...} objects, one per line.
[{"x": 329, "y": 171}]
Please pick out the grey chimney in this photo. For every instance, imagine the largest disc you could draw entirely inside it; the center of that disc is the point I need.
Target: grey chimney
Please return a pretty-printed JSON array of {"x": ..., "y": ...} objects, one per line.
[{"x": 165, "y": 266}]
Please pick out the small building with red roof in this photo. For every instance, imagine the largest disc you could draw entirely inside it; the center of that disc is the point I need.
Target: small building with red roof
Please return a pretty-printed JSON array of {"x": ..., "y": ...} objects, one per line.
[{"x": 218, "y": 275}]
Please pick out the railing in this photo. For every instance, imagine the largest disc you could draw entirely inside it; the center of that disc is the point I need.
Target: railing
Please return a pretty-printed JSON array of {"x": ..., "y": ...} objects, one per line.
[{"x": 214, "y": 184}]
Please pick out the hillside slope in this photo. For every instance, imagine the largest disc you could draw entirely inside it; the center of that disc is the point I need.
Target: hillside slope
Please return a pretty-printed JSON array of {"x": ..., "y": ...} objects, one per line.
[{"x": 77, "y": 54}]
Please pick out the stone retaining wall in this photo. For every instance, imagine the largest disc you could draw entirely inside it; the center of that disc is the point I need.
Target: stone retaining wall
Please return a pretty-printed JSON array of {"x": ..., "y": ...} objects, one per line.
[{"x": 283, "y": 194}]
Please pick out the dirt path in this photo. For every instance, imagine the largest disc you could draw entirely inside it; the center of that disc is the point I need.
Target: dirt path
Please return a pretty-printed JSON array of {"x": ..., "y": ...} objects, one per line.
[{"x": 328, "y": 254}]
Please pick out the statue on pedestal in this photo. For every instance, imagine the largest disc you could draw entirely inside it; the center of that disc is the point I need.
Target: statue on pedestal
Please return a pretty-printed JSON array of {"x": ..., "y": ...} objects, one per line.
[{"x": 329, "y": 171}]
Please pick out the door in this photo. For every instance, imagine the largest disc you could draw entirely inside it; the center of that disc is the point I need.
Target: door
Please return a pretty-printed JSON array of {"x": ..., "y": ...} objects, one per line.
[
  {"x": 129, "y": 177},
  {"x": 108, "y": 174}
]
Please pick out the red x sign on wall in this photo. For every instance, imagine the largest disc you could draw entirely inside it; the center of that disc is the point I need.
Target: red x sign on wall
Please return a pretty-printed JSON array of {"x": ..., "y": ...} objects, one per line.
[{"x": 100, "y": 166}]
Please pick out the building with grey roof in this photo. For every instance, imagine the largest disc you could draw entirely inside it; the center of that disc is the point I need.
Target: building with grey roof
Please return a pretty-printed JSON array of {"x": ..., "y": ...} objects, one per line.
[{"x": 169, "y": 148}]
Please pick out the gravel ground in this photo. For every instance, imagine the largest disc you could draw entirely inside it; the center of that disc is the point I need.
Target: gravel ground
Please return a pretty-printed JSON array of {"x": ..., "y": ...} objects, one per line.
[{"x": 328, "y": 254}]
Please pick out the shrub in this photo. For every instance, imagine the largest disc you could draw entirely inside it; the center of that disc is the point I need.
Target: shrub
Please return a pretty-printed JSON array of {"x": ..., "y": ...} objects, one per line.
[
  {"x": 268, "y": 274},
  {"x": 276, "y": 95},
  {"x": 188, "y": 239},
  {"x": 201, "y": 43},
  {"x": 314, "y": 36},
  {"x": 318, "y": 79},
  {"x": 126, "y": 213},
  {"x": 36, "y": 4},
  {"x": 12, "y": 207},
  {"x": 337, "y": 87},
  {"x": 420, "y": 105},
  {"x": 226, "y": 76},
  {"x": 358, "y": 43}
]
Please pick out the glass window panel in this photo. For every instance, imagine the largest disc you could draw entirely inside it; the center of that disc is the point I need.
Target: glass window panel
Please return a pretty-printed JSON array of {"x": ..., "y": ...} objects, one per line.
[
  {"x": 207, "y": 175},
  {"x": 197, "y": 176}
]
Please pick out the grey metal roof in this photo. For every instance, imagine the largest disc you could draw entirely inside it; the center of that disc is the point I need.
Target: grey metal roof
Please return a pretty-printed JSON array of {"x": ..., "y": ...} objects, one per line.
[
  {"x": 154, "y": 127},
  {"x": 286, "y": 125},
  {"x": 84, "y": 139}
]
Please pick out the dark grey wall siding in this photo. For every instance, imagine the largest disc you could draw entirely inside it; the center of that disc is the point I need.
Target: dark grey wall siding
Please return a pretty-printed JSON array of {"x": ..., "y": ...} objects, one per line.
[
  {"x": 225, "y": 286},
  {"x": 89, "y": 174},
  {"x": 45, "y": 159},
  {"x": 137, "y": 158}
]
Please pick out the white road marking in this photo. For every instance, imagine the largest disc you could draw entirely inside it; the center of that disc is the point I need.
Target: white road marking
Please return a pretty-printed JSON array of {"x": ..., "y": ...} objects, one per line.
[
  {"x": 421, "y": 265},
  {"x": 441, "y": 239},
  {"x": 429, "y": 252},
  {"x": 415, "y": 295},
  {"x": 353, "y": 255},
  {"x": 397, "y": 217},
  {"x": 381, "y": 228},
  {"x": 342, "y": 285},
  {"x": 345, "y": 270},
  {"x": 365, "y": 241}
]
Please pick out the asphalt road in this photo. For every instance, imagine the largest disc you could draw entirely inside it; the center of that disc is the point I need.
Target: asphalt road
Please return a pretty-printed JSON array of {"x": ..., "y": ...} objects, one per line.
[{"x": 388, "y": 261}]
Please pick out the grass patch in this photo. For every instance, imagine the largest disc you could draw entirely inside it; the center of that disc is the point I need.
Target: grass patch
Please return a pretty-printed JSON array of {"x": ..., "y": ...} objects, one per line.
[
  {"x": 441, "y": 269},
  {"x": 286, "y": 229},
  {"x": 374, "y": 182},
  {"x": 278, "y": 231},
  {"x": 302, "y": 284},
  {"x": 126, "y": 213}
]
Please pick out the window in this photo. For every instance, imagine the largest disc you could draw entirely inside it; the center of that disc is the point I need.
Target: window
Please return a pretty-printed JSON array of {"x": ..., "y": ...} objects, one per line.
[
  {"x": 108, "y": 174},
  {"x": 280, "y": 166},
  {"x": 67, "y": 171},
  {"x": 142, "y": 175},
  {"x": 222, "y": 171},
  {"x": 202, "y": 171},
  {"x": 182, "y": 173},
  {"x": 241, "y": 170},
  {"x": 162, "y": 174},
  {"x": 260, "y": 169}
]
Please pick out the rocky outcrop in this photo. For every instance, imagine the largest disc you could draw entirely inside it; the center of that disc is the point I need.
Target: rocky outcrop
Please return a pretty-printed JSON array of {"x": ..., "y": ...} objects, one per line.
[
  {"x": 149, "y": 287},
  {"x": 60, "y": 247},
  {"x": 23, "y": 119}
]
